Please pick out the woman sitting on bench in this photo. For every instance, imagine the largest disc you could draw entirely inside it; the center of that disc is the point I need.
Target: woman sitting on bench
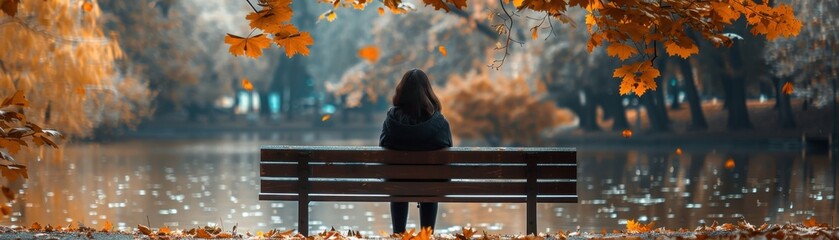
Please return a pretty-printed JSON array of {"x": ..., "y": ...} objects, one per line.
[{"x": 414, "y": 123}]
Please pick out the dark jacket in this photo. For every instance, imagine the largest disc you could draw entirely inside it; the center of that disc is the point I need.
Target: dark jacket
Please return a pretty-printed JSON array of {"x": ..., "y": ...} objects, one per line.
[{"x": 401, "y": 132}]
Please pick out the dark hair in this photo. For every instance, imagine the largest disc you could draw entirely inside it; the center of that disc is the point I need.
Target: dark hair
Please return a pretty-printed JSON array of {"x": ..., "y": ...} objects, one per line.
[{"x": 414, "y": 95}]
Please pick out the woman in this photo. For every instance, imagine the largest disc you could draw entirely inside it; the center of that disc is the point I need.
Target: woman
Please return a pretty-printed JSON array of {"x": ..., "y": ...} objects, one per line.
[{"x": 414, "y": 123}]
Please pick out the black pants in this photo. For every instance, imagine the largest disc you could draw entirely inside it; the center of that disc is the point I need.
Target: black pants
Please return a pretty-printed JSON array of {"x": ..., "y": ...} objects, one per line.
[{"x": 399, "y": 215}]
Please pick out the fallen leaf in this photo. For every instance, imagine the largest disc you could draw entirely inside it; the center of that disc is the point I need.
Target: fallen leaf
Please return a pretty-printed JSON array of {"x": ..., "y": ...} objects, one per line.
[
  {"x": 247, "y": 85},
  {"x": 10, "y": 7},
  {"x": 325, "y": 118},
  {"x": 201, "y": 233},
  {"x": 143, "y": 229},
  {"x": 678, "y": 151},
  {"x": 5, "y": 209},
  {"x": 164, "y": 230},
  {"x": 35, "y": 227}
]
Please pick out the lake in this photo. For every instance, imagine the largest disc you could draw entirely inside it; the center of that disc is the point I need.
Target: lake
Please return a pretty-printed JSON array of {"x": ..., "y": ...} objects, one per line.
[{"x": 183, "y": 183}]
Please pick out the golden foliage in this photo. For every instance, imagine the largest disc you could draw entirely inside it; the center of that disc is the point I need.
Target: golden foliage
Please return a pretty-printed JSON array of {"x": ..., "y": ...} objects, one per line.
[
  {"x": 637, "y": 77},
  {"x": 274, "y": 18},
  {"x": 51, "y": 49},
  {"x": 501, "y": 111},
  {"x": 631, "y": 28}
]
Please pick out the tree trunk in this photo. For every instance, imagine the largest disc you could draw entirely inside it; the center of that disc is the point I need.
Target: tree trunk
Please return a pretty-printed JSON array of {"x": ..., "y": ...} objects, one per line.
[
  {"x": 735, "y": 99},
  {"x": 614, "y": 105},
  {"x": 785, "y": 116},
  {"x": 697, "y": 117},
  {"x": 588, "y": 111},
  {"x": 776, "y": 84}
]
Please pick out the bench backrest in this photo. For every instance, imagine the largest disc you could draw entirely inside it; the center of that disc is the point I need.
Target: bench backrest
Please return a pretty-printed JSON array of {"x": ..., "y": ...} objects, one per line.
[{"x": 477, "y": 174}]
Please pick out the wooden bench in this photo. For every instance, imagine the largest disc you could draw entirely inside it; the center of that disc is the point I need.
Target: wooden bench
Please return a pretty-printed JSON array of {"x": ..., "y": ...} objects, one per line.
[{"x": 344, "y": 174}]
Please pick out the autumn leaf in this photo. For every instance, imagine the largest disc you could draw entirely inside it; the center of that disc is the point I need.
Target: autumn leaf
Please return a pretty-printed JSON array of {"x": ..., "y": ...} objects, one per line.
[
  {"x": 5, "y": 209},
  {"x": 17, "y": 99},
  {"x": 9, "y": 7},
  {"x": 442, "y": 50},
  {"x": 10, "y": 195},
  {"x": 247, "y": 85},
  {"x": 143, "y": 229},
  {"x": 437, "y": 4},
  {"x": 620, "y": 50},
  {"x": 87, "y": 6},
  {"x": 13, "y": 171},
  {"x": 626, "y": 133},
  {"x": 684, "y": 48},
  {"x": 811, "y": 223},
  {"x": 729, "y": 164},
  {"x": 250, "y": 47},
  {"x": 724, "y": 12},
  {"x": 408, "y": 234},
  {"x": 637, "y": 77},
  {"x": 787, "y": 88},
  {"x": 678, "y": 151},
  {"x": 35, "y": 227},
  {"x": 201, "y": 233},
  {"x": 466, "y": 233},
  {"x": 107, "y": 226},
  {"x": 295, "y": 43},
  {"x": 381, "y": 11},
  {"x": 164, "y": 230},
  {"x": 425, "y": 233},
  {"x": 269, "y": 19},
  {"x": 534, "y": 32},
  {"x": 370, "y": 53},
  {"x": 329, "y": 15},
  {"x": 635, "y": 227},
  {"x": 459, "y": 4},
  {"x": 325, "y": 118}
]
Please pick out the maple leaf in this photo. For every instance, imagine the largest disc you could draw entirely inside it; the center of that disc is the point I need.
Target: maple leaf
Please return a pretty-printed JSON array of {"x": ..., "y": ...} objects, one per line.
[
  {"x": 442, "y": 50},
  {"x": 250, "y": 47},
  {"x": 684, "y": 48},
  {"x": 635, "y": 227},
  {"x": 637, "y": 77},
  {"x": 295, "y": 43},
  {"x": 622, "y": 51},
  {"x": 381, "y": 11},
  {"x": 164, "y": 230},
  {"x": 269, "y": 19},
  {"x": 437, "y": 4},
  {"x": 370, "y": 53},
  {"x": 787, "y": 88},
  {"x": 425, "y": 233},
  {"x": 9, "y": 7},
  {"x": 459, "y": 4},
  {"x": 724, "y": 12}
]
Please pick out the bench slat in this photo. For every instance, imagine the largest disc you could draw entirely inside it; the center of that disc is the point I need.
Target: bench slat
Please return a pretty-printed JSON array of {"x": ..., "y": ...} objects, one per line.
[
  {"x": 419, "y": 188},
  {"x": 419, "y": 171},
  {"x": 462, "y": 199},
  {"x": 380, "y": 155}
]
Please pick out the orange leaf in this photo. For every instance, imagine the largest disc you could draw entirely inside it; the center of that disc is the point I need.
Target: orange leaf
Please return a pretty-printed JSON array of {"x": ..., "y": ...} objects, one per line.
[
  {"x": 269, "y": 19},
  {"x": 143, "y": 229},
  {"x": 10, "y": 195},
  {"x": 16, "y": 99},
  {"x": 534, "y": 32},
  {"x": 35, "y": 227},
  {"x": 459, "y": 4},
  {"x": 627, "y": 133},
  {"x": 729, "y": 164},
  {"x": 107, "y": 226},
  {"x": 442, "y": 50},
  {"x": 10, "y": 7},
  {"x": 250, "y": 47},
  {"x": 325, "y": 118},
  {"x": 635, "y": 227},
  {"x": 247, "y": 85},
  {"x": 811, "y": 223},
  {"x": 5, "y": 209},
  {"x": 87, "y": 6},
  {"x": 295, "y": 43},
  {"x": 787, "y": 88},
  {"x": 684, "y": 48},
  {"x": 678, "y": 151},
  {"x": 621, "y": 50},
  {"x": 369, "y": 53},
  {"x": 381, "y": 11},
  {"x": 637, "y": 77},
  {"x": 437, "y": 4},
  {"x": 164, "y": 230}
]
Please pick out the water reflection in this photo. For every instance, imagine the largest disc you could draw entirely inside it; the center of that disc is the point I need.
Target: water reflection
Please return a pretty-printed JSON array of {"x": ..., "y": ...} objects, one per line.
[{"x": 187, "y": 183}]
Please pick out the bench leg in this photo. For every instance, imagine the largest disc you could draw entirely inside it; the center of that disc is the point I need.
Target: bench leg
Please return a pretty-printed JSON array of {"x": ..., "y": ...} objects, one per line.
[
  {"x": 531, "y": 218},
  {"x": 303, "y": 217}
]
